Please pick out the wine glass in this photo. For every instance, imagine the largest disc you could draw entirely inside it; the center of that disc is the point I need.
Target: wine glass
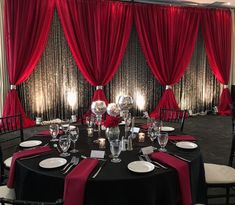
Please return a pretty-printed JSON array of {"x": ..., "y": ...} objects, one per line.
[
  {"x": 162, "y": 140},
  {"x": 54, "y": 131},
  {"x": 115, "y": 148},
  {"x": 157, "y": 126},
  {"x": 74, "y": 134},
  {"x": 64, "y": 143},
  {"x": 65, "y": 126}
]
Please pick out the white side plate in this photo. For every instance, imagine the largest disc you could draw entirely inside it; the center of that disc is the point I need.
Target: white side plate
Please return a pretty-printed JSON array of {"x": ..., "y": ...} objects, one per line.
[
  {"x": 140, "y": 166},
  {"x": 30, "y": 143},
  {"x": 167, "y": 129},
  {"x": 186, "y": 145},
  {"x": 53, "y": 162}
]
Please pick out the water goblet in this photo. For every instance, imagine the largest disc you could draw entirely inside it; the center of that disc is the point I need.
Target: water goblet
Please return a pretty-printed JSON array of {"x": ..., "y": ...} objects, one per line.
[
  {"x": 64, "y": 143},
  {"x": 115, "y": 148},
  {"x": 65, "y": 126},
  {"x": 74, "y": 134},
  {"x": 162, "y": 140},
  {"x": 54, "y": 131}
]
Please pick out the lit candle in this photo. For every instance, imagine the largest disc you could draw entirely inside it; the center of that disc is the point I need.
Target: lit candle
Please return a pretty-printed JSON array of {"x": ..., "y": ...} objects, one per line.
[
  {"x": 101, "y": 143},
  {"x": 141, "y": 137},
  {"x": 90, "y": 131},
  {"x": 38, "y": 120}
]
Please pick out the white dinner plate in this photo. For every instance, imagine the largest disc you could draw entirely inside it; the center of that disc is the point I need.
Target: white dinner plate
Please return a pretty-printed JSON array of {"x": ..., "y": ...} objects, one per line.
[
  {"x": 140, "y": 166},
  {"x": 167, "y": 129},
  {"x": 186, "y": 145},
  {"x": 30, "y": 143},
  {"x": 53, "y": 162}
]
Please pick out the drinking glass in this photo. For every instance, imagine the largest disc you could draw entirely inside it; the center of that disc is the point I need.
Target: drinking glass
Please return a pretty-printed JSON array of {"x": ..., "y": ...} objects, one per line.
[
  {"x": 65, "y": 126},
  {"x": 74, "y": 134},
  {"x": 115, "y": 148},
  {"x": 54, "y": 131},
  {"x": 90, "y": 120},
  {"x": 162, "y": 140},
  {"x": 64, "y": 143}
]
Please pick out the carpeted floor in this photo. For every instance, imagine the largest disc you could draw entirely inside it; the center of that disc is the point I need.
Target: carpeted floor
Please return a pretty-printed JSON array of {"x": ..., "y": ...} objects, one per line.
[{"x": 214, "y": 135}]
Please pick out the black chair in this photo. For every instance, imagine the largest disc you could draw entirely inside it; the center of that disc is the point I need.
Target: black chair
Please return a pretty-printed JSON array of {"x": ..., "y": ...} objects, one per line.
[
  {"x": 11, "y": 124},
  {"x": 221, "y": 176},
  {"x": 4, "y": 201},
  {"x": 173, "y": 116},
  {"x": 11, "y": 129}
]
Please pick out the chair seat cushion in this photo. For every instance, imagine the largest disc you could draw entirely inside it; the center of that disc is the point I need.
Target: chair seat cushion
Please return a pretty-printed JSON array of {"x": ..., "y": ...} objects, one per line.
[
  {"x": 219, "y": 174},
  {"x": 7, "y": 162},
  {"x": 7, "y": 193}
]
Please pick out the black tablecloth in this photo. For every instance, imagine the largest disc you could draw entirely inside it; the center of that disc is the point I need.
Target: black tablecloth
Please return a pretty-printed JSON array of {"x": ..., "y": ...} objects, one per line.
[{"x": 115, "y": 184}]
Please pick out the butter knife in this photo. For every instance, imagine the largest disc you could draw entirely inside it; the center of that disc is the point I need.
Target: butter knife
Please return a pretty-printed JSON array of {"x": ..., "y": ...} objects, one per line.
[
  {"x": 179, "y": 157},
  {"x": 97, "y": 172}
]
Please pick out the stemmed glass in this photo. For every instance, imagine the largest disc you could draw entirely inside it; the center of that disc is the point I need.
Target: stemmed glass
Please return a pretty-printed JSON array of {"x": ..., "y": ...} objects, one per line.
[
  {"x": 65, "y": 126},
  {"x": 64, "y": 143},
  {"x": 54, "y": 131},
  {"x": 162, "y": 140},
  {"x": 74, "y": 134},
  {"x": 115, "y": 148}
]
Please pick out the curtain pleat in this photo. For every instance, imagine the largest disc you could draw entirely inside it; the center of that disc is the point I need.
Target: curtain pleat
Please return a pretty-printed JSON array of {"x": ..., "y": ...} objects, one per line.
[
  {"x": 232, "y": 72},
  {"x": 46, "y": 91},
  {"x": 4, "y": 84}
]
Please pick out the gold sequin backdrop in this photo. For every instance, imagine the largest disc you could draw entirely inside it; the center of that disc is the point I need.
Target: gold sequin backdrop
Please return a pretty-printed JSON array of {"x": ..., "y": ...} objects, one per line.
[{"x": 56, "y": 76}]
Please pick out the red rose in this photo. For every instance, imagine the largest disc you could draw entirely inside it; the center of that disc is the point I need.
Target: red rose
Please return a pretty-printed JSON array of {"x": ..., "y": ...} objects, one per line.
[{"x": 111, "y": 121}]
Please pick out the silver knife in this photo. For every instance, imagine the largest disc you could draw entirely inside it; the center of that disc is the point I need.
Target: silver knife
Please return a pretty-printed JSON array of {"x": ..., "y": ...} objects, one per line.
[
  {"x": 179, "y": 157},
  {"x": 97, "y": 172},
  {"x": 155, "y": 162}
]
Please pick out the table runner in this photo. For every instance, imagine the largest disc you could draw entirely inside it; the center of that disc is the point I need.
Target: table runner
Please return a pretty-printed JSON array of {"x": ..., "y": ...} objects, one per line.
[
  {"x": 183, "y": 174},
  {"x": 75, "y": 182},
  {"x": 20, "y": 154}
]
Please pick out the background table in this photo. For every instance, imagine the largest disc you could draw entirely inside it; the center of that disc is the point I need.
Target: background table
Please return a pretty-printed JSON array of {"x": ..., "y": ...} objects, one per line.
[{"x": 115, "y": 184}]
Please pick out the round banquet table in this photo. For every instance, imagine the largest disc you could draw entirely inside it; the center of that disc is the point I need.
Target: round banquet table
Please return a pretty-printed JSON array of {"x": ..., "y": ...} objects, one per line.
[{"x": 114, "y": 184}]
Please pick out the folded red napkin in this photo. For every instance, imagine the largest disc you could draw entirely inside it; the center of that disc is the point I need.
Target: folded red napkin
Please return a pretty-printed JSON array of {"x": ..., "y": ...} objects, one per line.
[
  {"x": 182, "y": 138},
  {"x": 47, "y": 132},
  {"x": 183, "y": 174},
  {"x": 24, "y": 153},
  {"x": 75, "y": 182}
]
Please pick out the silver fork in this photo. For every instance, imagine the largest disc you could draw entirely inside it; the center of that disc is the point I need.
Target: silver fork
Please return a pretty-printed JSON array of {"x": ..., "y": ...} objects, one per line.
[
  {"x": 71, "y": 162},
  {"x": 143, "y": 159},
  {"x": 154, "y": 162},
  {"x": 75, "y": 162}
]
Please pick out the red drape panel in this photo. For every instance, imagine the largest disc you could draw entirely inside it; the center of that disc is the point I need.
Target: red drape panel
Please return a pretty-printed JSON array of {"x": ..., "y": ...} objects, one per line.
[
  {"x": 26, "y": 28},
  {"x": 97, "y": 33},
  {"x": 167, "y": 36},
  {"x": 217, "y": 31}
]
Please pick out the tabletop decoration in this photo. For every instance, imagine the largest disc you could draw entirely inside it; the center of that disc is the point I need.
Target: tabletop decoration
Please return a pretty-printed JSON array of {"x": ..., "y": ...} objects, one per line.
[
  {"x": 113, "y": 109},
  {"x": 98, "y": 108},
  {"x": 112, "y": 129},
  {"x": 75, "y": 182}
]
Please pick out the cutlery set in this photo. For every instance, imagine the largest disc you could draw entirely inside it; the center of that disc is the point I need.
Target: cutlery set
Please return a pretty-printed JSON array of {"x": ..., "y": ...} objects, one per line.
[
  {"x": 74, "y": 161},
  {"x": 155, "y": 163}
]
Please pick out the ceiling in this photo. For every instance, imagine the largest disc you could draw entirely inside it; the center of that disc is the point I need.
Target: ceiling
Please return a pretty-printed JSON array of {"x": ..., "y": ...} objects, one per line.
[{"x": 200, "y": 3}]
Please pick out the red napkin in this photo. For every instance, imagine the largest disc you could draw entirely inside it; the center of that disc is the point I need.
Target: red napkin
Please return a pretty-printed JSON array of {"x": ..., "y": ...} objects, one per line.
[
  {"x": 182, "y": 138},
  {"x": 75, "y": 182},
  {"x": 24, "y": 153},
  {"x": 183, "y": 174},
  {"x": 47, "y": 132}
]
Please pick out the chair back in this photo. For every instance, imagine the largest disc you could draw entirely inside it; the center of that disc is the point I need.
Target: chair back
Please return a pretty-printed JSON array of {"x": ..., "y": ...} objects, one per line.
[
  {"x": 173, "y": 116},
  {"x": 6, "y": 201},
  {"x": 11, "y": 124}
]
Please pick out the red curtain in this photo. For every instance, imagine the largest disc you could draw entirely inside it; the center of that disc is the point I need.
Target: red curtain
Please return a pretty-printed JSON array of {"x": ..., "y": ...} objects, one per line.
[
  {"x": 97, "y": 33},
  {"x": 217, "y": 31},
  {"x": 167, "y": 36},
  {"x": 26, "y": 28}
]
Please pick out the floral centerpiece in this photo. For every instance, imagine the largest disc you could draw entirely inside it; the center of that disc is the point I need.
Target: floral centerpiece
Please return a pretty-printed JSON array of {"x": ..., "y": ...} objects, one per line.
[{"x": 112, "y": 129}]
